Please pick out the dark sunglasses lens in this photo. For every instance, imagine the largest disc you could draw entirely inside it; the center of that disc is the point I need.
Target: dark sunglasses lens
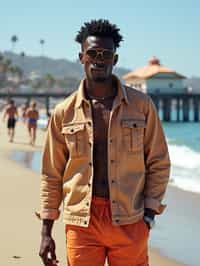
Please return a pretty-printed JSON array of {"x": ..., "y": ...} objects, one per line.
[
  {"x": 92, "y": 53},
  {"x": 108, "y": 54}
]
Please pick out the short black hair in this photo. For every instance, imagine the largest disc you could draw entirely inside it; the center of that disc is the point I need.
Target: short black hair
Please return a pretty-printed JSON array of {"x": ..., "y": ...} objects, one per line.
[{"x": 100, "y": 28}]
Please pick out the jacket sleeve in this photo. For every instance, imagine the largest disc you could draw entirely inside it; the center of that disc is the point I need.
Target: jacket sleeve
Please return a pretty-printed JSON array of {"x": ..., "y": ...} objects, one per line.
[
  {"x": 54, "y": 160},
  {"x": 157, "y": 161}
]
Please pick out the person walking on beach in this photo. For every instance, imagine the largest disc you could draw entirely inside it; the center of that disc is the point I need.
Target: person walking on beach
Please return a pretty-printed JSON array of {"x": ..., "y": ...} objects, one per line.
[
  {"x": 32, "y": 115},
  {"x": 11, "y": 113},
  {"x": 23, "y": 111},
  {"x": 106, "y": 158},
  {"x": 48, "y": 119}
]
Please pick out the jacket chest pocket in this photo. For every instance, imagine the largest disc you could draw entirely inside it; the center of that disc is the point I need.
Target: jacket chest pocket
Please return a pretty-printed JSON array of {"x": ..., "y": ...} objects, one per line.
[
  {"x": 75, "y": 136},
  {"x": 133, "y": 135}
]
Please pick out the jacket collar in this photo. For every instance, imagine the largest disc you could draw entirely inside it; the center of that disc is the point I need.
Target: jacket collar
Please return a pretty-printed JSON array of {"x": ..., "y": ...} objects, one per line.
[{"x": 121, "y": 93}]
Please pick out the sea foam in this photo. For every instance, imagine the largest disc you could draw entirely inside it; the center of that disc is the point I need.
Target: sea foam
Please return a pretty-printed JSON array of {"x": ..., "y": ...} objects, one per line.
[{"x": 185, "y": 172}]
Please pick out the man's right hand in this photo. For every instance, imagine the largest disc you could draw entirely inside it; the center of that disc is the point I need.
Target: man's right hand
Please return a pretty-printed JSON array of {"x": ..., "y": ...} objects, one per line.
[{"x": 47, "y": 251}]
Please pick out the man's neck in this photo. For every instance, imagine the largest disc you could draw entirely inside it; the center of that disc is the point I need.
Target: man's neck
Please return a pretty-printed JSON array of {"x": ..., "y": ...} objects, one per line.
[{"x": 100, "y": 89}]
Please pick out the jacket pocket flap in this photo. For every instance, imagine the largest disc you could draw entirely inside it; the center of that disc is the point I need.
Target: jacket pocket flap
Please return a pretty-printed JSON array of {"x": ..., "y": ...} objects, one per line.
[
  {"x": 72, "y": 129},
  {"x": 133, "y": 123}
]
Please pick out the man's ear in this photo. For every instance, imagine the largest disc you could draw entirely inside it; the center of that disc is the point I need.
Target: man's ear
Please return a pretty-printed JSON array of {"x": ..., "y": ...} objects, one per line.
[
  {"x": 115, "y": 60},
  {"x": 80, "y": 55}
]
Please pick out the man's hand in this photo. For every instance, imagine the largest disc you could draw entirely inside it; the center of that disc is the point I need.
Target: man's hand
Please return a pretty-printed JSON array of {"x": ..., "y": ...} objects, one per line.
[{"x": 47, "y": 251}]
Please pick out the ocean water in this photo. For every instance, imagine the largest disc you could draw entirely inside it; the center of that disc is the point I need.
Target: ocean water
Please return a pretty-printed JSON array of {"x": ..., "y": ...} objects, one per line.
[
  {"x": 177, "y": 230},
  {"x": 184, "y": 149}
]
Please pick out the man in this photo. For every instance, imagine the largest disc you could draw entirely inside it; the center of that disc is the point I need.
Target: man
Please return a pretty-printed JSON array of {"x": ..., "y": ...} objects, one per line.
[
  {"x": 11, "y": 114},
  {"x": 106, "y": 158}
]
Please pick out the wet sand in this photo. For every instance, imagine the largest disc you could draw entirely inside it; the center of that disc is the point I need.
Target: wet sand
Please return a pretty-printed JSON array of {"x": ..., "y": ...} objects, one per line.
[{"x": 19, "y": 199}]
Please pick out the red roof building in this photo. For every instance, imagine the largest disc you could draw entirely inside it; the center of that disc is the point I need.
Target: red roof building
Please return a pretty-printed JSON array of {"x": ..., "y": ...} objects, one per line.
[{"x": 155, "y": 78}]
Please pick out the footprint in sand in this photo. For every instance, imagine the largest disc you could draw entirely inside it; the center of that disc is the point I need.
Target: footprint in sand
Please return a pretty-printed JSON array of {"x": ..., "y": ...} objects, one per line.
[{"x": 16, "y": 257}]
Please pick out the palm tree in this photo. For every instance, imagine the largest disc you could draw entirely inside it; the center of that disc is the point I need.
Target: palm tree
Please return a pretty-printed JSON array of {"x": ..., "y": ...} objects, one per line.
[
  {"x": 22, "y": 55},
  {"x": 1, "y": 57},
  {"x": 7, "y": 62},
  {"x": 5, "y": 65},
  {"x": 17, "y": 73},
  {"x": 2, "y": 75},
  {"x": 49, "y": 80},
  {"x": 12, "y": 71},
  {"x": 42, "y": 42},
  {"x": 14, "y": 39}
]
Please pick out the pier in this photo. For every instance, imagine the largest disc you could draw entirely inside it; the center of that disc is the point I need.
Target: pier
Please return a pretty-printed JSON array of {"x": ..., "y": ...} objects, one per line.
[
  {"x": 171, "y": 107},
  {"x": 177, "y": 107}
]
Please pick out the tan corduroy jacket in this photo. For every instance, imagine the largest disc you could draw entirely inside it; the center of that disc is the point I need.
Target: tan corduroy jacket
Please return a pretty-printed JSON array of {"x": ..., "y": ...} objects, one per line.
[{"x": 138, "y": 159}]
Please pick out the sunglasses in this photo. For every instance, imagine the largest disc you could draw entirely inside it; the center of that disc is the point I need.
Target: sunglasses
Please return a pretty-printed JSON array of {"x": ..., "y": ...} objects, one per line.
[{"x": 104, "y": 53}]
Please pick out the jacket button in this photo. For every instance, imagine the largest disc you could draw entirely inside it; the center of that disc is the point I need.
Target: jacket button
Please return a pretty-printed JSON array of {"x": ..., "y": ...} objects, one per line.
[
  {"x": 89, "y": 123},
  {"x": 113, "y": 181},
  {"x": 117, "y": 220},
  {"x": 114, "y": 201},
  {"x": 90, "y": 164}
]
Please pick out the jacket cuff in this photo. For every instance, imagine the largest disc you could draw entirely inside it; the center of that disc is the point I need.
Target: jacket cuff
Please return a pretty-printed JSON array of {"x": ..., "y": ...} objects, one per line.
[
  {"x": 155, "y": 205},
  {"x": 149, "y": 212},
  {"x": 48, "y": 214}
]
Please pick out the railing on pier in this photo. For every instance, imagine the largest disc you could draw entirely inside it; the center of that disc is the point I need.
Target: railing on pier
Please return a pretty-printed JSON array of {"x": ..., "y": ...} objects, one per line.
[{"x": 171, "y": 107}]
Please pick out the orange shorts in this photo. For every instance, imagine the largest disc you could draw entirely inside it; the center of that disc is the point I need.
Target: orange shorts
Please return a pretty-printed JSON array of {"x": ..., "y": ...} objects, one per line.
[{"x": 124, "y": 245}]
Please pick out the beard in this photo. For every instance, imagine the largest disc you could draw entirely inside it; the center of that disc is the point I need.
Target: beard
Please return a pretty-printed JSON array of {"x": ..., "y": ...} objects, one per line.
[
  {"x": 100, "y": 76},
  {"x": 98, "y": 73},
  {"x": 99, "y": 79}
]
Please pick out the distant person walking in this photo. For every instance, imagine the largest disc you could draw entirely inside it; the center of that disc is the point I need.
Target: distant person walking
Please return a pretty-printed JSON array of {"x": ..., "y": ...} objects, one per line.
[
  {"x": 11, "y": 114},
  {"x": 48, "y": 119},
  {"x": 23, "y": 111},
  {"x": 32, "y": 115}
]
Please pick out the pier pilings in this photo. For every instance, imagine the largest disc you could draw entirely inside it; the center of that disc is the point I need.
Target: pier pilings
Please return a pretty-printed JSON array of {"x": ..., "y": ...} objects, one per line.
[{"x": 178, "y": 107}]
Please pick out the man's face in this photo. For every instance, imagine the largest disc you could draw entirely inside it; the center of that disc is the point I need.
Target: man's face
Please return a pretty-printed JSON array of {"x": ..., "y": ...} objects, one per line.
[{"x": 98, "y": 56}]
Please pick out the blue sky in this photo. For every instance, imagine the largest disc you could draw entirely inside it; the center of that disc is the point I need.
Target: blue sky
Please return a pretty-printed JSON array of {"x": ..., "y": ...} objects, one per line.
[{"x": 168, "y": 30}]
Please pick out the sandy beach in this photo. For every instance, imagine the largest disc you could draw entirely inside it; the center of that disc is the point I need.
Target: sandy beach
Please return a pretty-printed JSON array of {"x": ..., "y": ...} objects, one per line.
[{"x": 19, "y": 199}]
